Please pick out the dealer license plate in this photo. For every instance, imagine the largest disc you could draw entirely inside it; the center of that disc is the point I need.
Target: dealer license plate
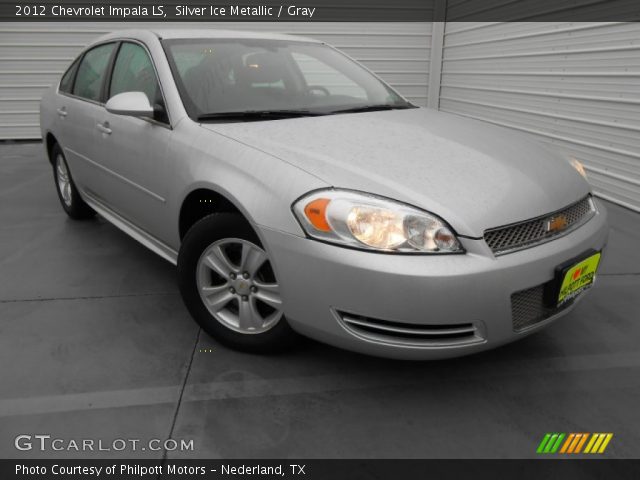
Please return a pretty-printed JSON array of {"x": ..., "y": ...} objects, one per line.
[{"x": 577, "y": 278}]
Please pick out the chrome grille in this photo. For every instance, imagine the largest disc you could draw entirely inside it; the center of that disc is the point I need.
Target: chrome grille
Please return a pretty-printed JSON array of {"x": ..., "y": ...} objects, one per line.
[
  {"x": 528, "y": 308},
  {"x": 513, "y": 237},
  {"x": 410, "y": 334}
]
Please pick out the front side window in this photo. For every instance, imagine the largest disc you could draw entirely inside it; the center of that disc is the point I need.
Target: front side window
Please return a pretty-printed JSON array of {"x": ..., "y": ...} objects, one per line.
[
  {"x": 91, "y": 72},
  {"x": 133, "y": 72},
  {"x": 217, "y": 76}
]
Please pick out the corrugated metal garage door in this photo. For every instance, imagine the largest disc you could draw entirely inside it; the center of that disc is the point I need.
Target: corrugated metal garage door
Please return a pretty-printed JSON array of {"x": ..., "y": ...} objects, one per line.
[
  {"x": 33, "y": 55},
  {"x": 576, "y": 85}
]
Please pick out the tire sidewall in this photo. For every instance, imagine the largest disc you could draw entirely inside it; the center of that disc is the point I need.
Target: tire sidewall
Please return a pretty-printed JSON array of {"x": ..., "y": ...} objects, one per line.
[
  {"x": 58, "y": 154},
  {"x": 199, "y": 238},
  {"x": 78, "y": 209}
]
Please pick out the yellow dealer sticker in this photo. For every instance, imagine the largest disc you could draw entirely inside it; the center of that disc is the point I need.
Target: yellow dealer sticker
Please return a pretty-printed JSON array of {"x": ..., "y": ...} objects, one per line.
[{"x": 578, "y": 278}]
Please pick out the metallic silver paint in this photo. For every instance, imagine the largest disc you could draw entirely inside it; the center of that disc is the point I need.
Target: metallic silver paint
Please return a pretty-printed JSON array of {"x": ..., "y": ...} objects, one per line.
[
  {"x": 436, "y": 289},
  {"x": 135, "y": 104},
  {"x": 473, "y": 175}
]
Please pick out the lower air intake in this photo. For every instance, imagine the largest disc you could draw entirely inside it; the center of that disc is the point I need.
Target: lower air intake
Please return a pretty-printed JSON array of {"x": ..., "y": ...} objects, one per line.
[{"x": 528, "y": 308}]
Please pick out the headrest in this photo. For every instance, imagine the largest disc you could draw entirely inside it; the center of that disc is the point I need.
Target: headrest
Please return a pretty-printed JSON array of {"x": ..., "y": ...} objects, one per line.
[{"x": 264, "y": 67}]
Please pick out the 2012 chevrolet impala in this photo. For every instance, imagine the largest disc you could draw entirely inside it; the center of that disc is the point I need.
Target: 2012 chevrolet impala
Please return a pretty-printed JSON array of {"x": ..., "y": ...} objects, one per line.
[{"x": 300, "y": 194}]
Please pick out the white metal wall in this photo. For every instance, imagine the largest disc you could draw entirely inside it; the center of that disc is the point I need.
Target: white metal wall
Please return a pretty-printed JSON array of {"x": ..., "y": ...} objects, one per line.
[
  {"x": 33, "y": 56},
  {"x": 576, "y": 85}
]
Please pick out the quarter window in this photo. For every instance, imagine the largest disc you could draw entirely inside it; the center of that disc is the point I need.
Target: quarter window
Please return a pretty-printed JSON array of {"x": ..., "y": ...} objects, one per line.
[
  {"x": 91, "y": 72},
  {"x": 67, "y": 79}
]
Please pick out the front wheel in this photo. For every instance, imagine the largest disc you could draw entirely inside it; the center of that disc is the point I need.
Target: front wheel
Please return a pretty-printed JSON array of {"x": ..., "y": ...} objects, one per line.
[{"x": 229, "y": 286}]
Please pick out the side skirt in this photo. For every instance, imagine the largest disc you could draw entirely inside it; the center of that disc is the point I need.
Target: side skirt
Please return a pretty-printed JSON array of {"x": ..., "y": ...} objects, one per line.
[{"x": 130, "y": 229}]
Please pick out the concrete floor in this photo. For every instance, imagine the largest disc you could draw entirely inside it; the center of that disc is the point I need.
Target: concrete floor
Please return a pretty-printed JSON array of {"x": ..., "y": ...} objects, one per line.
[{"x": 95, "y": 343}]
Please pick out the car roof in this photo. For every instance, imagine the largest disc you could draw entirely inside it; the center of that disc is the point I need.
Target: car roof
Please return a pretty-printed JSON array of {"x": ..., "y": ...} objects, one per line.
[{"x": 177, "y": 33}]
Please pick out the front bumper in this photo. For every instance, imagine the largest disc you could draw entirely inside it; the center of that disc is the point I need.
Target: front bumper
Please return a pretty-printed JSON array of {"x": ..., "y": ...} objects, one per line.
[{"x": 319, "y": 280}]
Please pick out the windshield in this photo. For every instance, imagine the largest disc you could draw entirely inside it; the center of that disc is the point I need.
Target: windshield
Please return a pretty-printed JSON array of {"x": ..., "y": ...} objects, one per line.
[{"x": 216, "y": 77}]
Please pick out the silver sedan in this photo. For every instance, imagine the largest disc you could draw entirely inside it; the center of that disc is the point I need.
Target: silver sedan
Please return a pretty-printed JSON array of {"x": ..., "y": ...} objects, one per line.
[{"x": 297, "y": 193}]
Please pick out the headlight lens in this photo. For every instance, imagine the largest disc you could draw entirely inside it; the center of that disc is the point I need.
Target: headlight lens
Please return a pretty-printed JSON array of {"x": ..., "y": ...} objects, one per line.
[{"x": 370, "y": 222}]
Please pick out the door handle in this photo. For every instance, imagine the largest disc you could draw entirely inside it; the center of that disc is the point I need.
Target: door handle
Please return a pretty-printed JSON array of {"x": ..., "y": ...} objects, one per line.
[
  {"x": 62, "y": 112},
  {"x": 104, "y": 128}
]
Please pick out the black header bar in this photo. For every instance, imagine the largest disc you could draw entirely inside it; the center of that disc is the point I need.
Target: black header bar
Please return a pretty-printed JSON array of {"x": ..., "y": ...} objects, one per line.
[{"x": 321, "y": 10}]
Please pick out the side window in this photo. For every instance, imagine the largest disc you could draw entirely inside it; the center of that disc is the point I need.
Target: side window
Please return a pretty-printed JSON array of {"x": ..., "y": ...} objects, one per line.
[
  {"x": 67, "y": 79},
  {"x": 91, "y": 72},
  {"x": 133, "y": 72}
]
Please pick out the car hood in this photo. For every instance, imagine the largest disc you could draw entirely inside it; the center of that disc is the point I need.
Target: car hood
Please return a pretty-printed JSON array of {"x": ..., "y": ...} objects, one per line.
[{"x": 472, "y": 174}]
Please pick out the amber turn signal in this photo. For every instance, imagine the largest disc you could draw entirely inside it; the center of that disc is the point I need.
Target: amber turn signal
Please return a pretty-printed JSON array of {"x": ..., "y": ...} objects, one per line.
[{"x": 315, "y": 212}]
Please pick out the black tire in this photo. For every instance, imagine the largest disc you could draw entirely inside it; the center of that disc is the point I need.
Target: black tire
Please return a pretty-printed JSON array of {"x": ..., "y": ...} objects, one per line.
[
  {"x": 212, "y": 229},
  {"x": 73, "y": 204}
]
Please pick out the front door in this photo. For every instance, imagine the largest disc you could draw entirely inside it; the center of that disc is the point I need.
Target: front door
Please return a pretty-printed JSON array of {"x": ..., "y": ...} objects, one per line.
[{"x": 135, "y": 150}]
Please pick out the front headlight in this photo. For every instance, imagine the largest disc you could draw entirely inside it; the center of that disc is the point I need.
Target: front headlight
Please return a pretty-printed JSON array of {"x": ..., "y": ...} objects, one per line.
[{"x": 369, "y": 222}]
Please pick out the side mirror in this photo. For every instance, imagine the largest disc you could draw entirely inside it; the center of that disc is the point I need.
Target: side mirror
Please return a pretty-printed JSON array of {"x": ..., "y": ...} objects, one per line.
[{"x": 134, "y": 104}]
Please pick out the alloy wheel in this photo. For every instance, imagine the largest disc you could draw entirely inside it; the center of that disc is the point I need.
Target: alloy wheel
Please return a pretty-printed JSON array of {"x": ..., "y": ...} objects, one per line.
[
  {"x": 63, "y": 180},
  {"x": 237, "y": 285}
]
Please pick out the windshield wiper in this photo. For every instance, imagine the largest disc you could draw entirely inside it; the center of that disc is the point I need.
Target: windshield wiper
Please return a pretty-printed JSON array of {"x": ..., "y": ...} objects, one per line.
[
  {"x": 374, "y": 108},
  {"x": 249, "y": 115}
]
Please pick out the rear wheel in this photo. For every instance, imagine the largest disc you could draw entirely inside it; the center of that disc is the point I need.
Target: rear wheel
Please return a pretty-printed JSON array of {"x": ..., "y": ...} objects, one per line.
[
  {"x": 68, "y": 194},
  {"x": 229, "y": 286}
]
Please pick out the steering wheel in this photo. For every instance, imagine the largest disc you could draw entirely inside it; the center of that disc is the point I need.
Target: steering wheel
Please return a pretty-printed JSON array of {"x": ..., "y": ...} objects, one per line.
[{"x": 318, "y": 88}]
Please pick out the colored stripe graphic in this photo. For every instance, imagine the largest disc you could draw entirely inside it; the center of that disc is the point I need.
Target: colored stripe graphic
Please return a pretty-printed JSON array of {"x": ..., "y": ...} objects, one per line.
[
  {"x": 573, "y": 443},
  {"x": 543, "y": 443},
  {"x": 581, "y": 443},
  {"x": 567, "y": 442},
  {"x": 556, "y": 445},
  {"x": 594, "y": 437},
  {"x": 598, "y": 443},
  {"x": 605, "y": 443},
  {"x": 550, "y": 443}
]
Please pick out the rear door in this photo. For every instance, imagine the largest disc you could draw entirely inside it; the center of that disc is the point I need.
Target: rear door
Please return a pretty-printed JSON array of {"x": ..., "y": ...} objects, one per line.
[
  {"x": 62, "y": 99},
  {"x": 79, "y": 106},
  {"x": 135, "y": 150}
]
